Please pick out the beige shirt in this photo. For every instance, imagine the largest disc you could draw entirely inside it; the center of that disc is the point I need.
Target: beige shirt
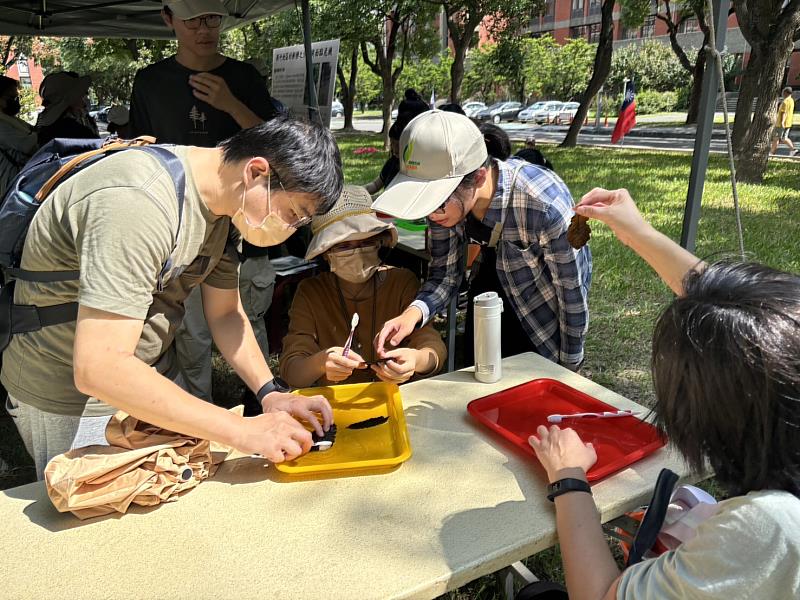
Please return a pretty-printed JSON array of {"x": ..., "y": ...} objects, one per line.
[
  {"x": 116, "y": 222},
  {"x": 749, "y": 549}
]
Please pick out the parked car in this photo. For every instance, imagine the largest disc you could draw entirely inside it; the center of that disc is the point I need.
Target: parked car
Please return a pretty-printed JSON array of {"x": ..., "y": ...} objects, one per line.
[
  {"x": 98, "y": 112},
  {"x": 526, "y": 114},
  {"x": 394, "y": 114},
  {"x": 337, "y": 109},
  {"x": 567, "y": 112},
  {"x": 548, "y": 113},
  {"x": 472, "y": 108},
  {"x": 500, "y": 111}
]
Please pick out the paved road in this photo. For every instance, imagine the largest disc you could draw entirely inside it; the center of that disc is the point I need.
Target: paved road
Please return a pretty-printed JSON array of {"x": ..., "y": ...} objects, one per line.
[{"x": 555, "y": 134}]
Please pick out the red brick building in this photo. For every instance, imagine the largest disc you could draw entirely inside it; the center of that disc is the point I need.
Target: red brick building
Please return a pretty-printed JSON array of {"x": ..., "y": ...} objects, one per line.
[
  {"x": 581, "y": 18},
  {"x": 28, "y": 73}
]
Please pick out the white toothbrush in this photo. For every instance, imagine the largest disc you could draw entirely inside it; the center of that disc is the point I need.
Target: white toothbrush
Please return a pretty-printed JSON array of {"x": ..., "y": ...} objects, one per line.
[
  {"x": 353, "y": 325},
  {"x": 592, "y": 415}
]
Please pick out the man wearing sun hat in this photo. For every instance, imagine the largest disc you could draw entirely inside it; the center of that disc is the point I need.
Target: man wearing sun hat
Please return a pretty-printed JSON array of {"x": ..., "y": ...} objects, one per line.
[
  {"x": 198, "y": 97},
  {"x": 65, "y": 95},
  {"x": 350, "y": 237},
  {"x": 518, "y": 212}
]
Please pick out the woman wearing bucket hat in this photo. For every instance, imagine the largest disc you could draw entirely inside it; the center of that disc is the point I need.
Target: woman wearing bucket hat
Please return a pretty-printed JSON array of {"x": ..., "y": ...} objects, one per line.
[
  {"x": 349, "y": 238},
  {"x": 518, "y": 212},
  {"x": 65, "y": 115}
]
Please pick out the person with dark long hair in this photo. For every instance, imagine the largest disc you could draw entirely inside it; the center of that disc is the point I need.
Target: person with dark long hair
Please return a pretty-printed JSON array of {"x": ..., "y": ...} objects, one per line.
[{"x": 726, "y": 372}]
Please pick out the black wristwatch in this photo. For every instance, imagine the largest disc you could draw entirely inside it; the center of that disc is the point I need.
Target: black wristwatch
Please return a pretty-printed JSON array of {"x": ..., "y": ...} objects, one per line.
[
  {"x": 276, "y": 384},
  {"x": 568, "y": 484}
]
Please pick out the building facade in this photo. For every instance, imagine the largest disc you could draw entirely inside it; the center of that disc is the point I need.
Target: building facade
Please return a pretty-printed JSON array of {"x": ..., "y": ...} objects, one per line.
[{"x": 564, "y": 19}]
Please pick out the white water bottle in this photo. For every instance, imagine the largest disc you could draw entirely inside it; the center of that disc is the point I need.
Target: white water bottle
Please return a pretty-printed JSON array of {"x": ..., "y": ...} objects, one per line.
[{"x": 486, "y": 321}]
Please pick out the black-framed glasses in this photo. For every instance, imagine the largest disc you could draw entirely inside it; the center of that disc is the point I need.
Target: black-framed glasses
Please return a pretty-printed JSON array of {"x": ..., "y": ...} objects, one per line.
[
  {"x": 210, "y": 21},
  {"x": 301, "y": 221}
]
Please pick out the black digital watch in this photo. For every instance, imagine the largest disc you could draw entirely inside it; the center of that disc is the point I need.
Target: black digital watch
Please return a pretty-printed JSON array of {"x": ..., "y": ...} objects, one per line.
[
  {"x": 566, "y": 485},
  {"x": 276, "y": 384}
]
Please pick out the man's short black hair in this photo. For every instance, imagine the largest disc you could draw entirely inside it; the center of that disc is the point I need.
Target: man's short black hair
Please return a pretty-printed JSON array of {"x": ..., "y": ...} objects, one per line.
[
  {"x": 303, "y": 155},
  {"x": 726, "y": 370}
]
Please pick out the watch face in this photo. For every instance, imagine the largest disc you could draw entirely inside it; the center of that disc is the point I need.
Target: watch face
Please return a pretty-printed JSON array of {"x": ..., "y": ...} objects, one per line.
[{"x": 281, "y": 385}]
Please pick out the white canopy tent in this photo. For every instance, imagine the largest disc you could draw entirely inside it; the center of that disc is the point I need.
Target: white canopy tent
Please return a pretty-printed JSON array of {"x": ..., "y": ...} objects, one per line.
[{"x": 112, "y": 18}]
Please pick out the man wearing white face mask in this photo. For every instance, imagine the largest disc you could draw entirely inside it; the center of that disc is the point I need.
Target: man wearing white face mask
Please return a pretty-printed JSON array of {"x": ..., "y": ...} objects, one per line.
[
  {"x": 118, "y": 224},
  {"x": 349, "y": 237}
]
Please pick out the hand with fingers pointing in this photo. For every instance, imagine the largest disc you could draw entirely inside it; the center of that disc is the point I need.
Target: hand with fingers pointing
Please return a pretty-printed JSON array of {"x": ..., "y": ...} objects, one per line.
[
  {"x": 305, "y": 408},
  {"x": 276, "y": 436},
  {"x": 394, "y": 331},
  {"x": 616, "y": 209},
  {"x": 213, "y": 90},
  {"x": 559, "y": 449}
]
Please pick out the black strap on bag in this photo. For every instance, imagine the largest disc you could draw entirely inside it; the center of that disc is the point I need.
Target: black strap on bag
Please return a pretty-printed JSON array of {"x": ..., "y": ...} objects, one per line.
[
  {"x": 653, "y": 518},
  {"x": 20, "y": 318}
]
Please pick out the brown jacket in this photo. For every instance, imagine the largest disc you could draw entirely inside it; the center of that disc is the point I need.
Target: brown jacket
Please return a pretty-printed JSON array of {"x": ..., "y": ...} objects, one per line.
[{"x": 317, "y": 322}]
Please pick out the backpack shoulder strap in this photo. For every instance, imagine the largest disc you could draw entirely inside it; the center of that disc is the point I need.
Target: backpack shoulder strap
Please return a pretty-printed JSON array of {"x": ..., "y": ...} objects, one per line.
[
  {"x": 497, "y": 232},
  {"x": 78, "y": 160},
  {"x": 653, "y": 517},
  {"x": 176, "y": 172},
  {"x": 25, "y": 319}
]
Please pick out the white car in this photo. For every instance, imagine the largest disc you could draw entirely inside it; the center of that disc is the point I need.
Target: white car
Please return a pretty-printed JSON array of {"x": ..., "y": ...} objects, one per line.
[
  {"x": 472, "y": 108},
  {"x": 527, "y": 114},
  {"x": 567, "y": 113},
  {"x": 337, "y": 109},
  {"x": 548, "y": 113}
]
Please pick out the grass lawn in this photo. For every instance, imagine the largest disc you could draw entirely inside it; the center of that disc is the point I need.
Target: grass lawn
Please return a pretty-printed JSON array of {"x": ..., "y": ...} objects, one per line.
[{"x": 626, "y": 296}]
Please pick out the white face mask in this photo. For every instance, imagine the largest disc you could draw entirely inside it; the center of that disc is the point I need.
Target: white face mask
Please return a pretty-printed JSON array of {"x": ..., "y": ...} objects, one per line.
[
  {"x": 357, "y": 265},
  {"x": 270, "y": 232}
]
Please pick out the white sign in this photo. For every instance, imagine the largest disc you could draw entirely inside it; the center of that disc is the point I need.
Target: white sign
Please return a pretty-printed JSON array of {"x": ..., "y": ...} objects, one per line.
[{"x": 289, "y": 77}]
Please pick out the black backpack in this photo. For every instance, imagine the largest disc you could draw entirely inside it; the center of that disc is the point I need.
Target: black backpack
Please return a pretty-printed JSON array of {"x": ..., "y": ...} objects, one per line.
[{"x": 56, "y": 161}]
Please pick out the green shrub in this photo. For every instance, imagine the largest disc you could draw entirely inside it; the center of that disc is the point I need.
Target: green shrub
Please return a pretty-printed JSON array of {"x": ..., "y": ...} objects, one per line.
[{"x": 649, "y": 102}]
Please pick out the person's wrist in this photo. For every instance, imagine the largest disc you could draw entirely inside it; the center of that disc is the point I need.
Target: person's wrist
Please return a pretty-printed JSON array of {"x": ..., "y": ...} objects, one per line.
[
  {"x": 413, "y": 312},
  {"x": 567, "y": 473}
]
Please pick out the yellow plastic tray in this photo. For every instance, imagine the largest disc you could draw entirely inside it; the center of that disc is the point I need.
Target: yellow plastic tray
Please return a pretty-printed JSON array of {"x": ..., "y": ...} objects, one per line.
[{"x": 356, "y": 451}]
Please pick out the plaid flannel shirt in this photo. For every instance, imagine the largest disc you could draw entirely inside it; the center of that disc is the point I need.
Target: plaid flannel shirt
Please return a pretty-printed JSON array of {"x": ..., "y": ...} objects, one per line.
[{"x": 544, "y": 278}]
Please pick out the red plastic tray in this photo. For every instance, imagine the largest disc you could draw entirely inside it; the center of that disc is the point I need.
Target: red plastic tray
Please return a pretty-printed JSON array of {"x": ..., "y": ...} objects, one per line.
[{"x": 515, "y": 414}]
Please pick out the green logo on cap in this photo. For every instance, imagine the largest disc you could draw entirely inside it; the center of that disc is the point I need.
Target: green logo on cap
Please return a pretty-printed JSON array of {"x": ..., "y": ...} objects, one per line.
[{"x": 407, "y": 151}]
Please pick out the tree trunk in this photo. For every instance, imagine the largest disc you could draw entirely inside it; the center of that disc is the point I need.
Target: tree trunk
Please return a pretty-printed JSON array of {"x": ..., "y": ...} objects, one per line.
[
  {"x": 388, "y": 99},
  {"x": 751, "y": 162},
  {"x": 457, "y": 69},
  {"x": 747, "y": 92},
  {"x": 7, "y": 51},
  {"x": 348, "y": 89},
  {"x": 697, "y": 87},
  {"x": 602, "y": 67}
]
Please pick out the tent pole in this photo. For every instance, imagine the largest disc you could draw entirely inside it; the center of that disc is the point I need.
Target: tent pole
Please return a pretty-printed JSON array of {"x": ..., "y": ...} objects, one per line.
[
  {"x": 311, "y": 87},
  {"x": 705, "y": 125}
]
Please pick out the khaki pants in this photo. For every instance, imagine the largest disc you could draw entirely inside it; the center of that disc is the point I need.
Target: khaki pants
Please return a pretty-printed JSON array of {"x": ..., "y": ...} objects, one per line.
[{"x": 193, "y": 339}]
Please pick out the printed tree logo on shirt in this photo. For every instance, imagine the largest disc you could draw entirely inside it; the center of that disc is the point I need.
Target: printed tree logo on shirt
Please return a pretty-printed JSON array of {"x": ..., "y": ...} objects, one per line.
[{"x": 197, "y": 116}]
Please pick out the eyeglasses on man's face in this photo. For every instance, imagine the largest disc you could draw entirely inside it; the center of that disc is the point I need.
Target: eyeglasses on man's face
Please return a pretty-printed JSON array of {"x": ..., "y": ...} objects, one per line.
[
  {"x": 298, "y": 220},
  {"x": 210, "y": 21}
]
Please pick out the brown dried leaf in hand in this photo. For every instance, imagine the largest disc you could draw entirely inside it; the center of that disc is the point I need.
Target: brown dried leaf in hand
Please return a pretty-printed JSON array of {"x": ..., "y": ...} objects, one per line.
[{"x": 579, "y": 232}]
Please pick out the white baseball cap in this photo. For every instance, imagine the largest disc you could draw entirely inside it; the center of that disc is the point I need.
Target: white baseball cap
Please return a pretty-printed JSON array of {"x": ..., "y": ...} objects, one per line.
[
  {"x": 189, "y": 9},
  {"x": 437, "y": 149}
]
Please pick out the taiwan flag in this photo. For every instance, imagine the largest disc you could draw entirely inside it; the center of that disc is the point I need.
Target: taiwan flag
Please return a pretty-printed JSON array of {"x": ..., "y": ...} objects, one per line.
[{"x": 627, "y": 114}]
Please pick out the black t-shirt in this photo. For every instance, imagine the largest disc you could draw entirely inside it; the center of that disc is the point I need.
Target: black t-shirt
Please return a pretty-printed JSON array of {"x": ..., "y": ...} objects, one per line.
[
  {"x": 163, "y": 105},
  {"x": 65, "y": 127}
]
